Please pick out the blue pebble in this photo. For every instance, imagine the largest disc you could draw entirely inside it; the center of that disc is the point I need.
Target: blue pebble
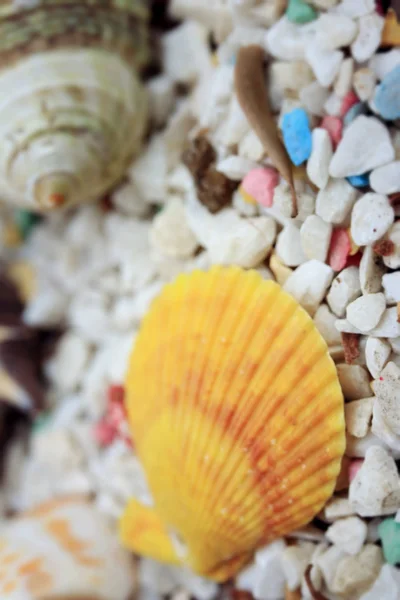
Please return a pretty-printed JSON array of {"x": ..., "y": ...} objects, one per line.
[
  {"x": 297, "y": 135},
  {"x": 387, "y": 97},
  {"x": 355, "y": 111},
  {"x": 359, "y": 181}
]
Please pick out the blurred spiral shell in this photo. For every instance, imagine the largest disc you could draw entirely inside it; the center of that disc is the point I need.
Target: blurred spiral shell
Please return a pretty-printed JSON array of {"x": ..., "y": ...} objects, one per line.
[
  {"x": 237, "y": 416},
  {"x": 72, "y": 108}
]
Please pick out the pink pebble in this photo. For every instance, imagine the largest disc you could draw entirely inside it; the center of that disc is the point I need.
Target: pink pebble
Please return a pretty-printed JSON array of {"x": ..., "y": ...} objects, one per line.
[
  {"x": 355, "y": 466},
  {"x": 104, "y": 433},
  {"x": 334, "y": 127},
  {"x": 259, "y": 184},
  {"x": 339, "y": 249},
  {"x": 348, "y": 101}
]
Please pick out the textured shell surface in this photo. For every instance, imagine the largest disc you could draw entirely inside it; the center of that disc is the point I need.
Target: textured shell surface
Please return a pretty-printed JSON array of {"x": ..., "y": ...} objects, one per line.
[
  {"x": 72, "y": 107},
  {"x": 237, "y": 416},
  {"x": 63, "y": 549}
]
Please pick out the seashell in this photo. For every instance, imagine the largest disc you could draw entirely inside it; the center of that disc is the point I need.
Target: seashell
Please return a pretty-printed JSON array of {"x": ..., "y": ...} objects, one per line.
[
  {"x": 237, "y": 416},
  {"x": 72, "y": 108},
  {"x": 63, "y": 549}
]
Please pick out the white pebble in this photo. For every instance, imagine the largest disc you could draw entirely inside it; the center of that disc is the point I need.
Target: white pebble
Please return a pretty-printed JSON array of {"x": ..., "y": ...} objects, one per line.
[
  {"x": 364, "y": 83},
  {"x": 358, "y": 416},
  {"x": 375, "y": 490},
  {"x": 388, "y": 327},
  {"x": 335, "y": 201},
  {"x": 368, "y": 38},
  {"x": 235, "y": 167},
  {"x": 386, "y": 179},
  {"x": 250, "y": 147},
  {"x": 356, "y": 574},
  {"x": 366, "y": 312},
  {"x": 295, "y": 560},
  {"x": 354, "y": 381},
  {"x": 334, "y": 31},
  {"x": 384, "y": 62},
  {"x": 337, "y": 508},
  {"x": 66, "y": 366},
  {"x": 313, "y": 97},
  {"x": 365, "y": 145},
  {"x": 325, "y": 323},
  {"x": 233, "y": 127},
  {"x": 393, "y": 260},
  {"x": 391, "y": 287},
  {"x": 345, "y": 327},
  {"x": 333, "y": 105},
  {"x": 371, "y": 218},
  {"x": 315, "y": 237},
  {"x": 308, "y": 284},
  {"x": 356, "y": 8},
  {"x": 357, "y": 447},
  {"x": 170, "y": 233},
  {"x": 395, "y": 344},
  {"x": 244, "y": 208},
  {"x": 386, "y": 586},
  {"x": 228, "y": 238},
  {"x": 387, "y": 391},
  {"x": 285, "y": 76},
  {"x": 264, "y": 578},
  {"x": 371, "y": 271},
  {"x": 186, "y": 67},
  {"x": 328, "y": 562},
  {"x": 127, "y": 200},
  {"x": 383, "y": 430},
  {"x": 161, "y": 98},
  {"x": 289, "y": 247},
  {"x": 287, "y": 41},
  {"x": 344, "y": 80},
  {"x": 344, "y": 289},
  {"x": 324, "y": 63},
  {"x": 377, "y": 353},
  {"x": 46, "y": 309},
  {"x": 348, "y": 534},
  {"x": 320, "y": 158}
]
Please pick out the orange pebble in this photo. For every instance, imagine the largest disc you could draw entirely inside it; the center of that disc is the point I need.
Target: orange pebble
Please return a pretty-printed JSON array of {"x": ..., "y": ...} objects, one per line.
[{"x": 391, "y": 30}]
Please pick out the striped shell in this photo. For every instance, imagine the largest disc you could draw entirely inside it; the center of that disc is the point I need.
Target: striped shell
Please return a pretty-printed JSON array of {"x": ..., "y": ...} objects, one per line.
[
  {"x": 72, "y": 108},
  {"x": 63, "y": 550},
  {"x": 237, "y": 416}
]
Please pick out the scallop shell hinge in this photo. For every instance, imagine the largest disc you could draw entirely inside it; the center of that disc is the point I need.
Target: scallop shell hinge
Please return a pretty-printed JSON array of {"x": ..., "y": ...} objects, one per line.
[{"x": 72, "y": 108}]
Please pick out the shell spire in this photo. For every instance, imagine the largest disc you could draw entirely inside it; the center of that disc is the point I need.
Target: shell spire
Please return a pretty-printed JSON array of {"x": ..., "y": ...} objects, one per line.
[
  {"x": 237, "y": 415},
  {"x": 72, "y": 107}
]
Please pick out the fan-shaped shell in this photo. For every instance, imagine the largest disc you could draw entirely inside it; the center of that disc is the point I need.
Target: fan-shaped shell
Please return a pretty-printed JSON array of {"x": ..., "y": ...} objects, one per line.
[
  {"x": 237, "y": 416},
  {"x": 72, "y": 108}
]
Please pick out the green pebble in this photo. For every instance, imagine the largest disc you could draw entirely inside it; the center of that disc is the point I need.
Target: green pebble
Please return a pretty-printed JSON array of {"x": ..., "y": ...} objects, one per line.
[
  {"x": 300, "y": 12},
  {"x": 389, "y": 532},
  {"x": 25, "y": 220},
  {"x": 41, "y": 422}
]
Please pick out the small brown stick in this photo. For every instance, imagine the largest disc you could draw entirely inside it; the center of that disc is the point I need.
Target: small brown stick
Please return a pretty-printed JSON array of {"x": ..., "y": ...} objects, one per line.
[
  {"x": 252, "y": 94},
  {"x": 314, "y": 593}
]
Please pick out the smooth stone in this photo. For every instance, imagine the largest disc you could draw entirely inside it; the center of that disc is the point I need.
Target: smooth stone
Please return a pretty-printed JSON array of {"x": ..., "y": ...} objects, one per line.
[
  {"x": 300, "y": 12},
  {"x": 387, "y": 96},
  {"x": 386, "y": 179},
  {"x": 365, "y": 145},
  {"x": 297, "y": 135},
  {"x": 358, "y": 181},
  {"x": 389, "y": 531},
  {"x": 355, "y": 111}
]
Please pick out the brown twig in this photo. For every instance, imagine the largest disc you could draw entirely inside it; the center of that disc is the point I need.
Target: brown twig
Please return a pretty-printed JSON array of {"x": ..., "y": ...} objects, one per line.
[
  {"x": 314, "y": 593},
  {"x": 252, "y": 94}
]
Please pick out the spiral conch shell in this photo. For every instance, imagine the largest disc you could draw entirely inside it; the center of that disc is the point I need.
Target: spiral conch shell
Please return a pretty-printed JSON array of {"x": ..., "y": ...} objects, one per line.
[
  {"x": 72, "y": 108},
  {"x": 237, "y": 416}
]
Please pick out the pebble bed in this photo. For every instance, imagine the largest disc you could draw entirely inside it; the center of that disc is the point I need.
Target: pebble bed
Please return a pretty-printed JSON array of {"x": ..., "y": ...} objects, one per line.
[{"x": 203, "y": 192}]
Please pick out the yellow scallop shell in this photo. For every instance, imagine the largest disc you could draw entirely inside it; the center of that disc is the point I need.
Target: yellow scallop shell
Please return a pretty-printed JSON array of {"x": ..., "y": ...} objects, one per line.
[{"x": 237, "y": 416}]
